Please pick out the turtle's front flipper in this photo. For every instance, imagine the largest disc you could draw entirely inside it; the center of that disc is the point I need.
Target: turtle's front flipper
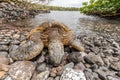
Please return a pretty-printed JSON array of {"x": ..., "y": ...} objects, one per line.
[
  {"x": 77, "y": 45},
  {"x": 27, "y": 50}
]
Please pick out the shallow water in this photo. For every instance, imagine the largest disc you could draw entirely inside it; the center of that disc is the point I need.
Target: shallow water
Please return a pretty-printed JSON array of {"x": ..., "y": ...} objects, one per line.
[{"x": 81, "y": 24}]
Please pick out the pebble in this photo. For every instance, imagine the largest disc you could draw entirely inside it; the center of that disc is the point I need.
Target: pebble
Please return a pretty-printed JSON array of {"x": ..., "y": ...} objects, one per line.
[
  {"x": 69, "y": 65},
  {"x": 4, "y": 48},
  {"x": 41, "y": 67},
  {"x": 94, "y": 59},
  {"x": 4, "y": 59},
  {"x": 115, "y": 66}
]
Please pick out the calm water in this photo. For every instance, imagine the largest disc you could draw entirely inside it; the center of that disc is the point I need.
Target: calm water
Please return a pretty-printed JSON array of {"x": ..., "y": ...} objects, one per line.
[{"x": 81, "y": 24}]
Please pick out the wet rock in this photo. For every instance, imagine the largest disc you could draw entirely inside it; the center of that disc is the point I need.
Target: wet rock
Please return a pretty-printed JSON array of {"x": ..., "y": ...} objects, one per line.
[
  {"x": 94, "y": 59},
  {"x": 70, "y": 74},
  {"x": 3, "y": 48},
  {"x": 22, "y": 70},
  {"x": 42, "y": 76},
  {"x": 115, "y": 66},
  {"x": 41, "y": 67},
  {"x": 69, "y": 65}
]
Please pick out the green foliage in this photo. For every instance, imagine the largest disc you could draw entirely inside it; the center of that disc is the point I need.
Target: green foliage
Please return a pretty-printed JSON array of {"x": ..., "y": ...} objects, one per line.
[
  {"x": 44, "y": 7},
  {"x": 102, "y": 8}
]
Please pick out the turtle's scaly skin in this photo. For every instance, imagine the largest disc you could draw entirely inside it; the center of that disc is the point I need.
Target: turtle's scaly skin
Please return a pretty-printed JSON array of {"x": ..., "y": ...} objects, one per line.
[{"x": 51, "y": 34}]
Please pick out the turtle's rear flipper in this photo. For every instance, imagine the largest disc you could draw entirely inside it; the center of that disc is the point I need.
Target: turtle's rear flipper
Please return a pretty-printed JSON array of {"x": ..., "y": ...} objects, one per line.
[{"x": 77, "y": 45}]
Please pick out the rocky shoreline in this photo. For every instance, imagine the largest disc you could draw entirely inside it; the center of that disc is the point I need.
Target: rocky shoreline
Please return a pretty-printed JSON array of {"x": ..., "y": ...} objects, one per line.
[
  {"x": 100, "y": 61},
  {"x": 10, "y": 12}
]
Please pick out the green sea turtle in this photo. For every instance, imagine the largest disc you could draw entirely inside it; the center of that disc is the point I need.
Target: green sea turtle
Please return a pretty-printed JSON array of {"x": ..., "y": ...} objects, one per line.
[{"x": 51, "y": 34}]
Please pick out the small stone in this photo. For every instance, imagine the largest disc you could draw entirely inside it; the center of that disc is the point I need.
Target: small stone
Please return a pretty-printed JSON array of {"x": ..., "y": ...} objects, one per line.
[
  {"x": 3, "y": 48},
  {"x": 80, "y": 66},
  {"x": 115, "y": 44},
  {"x": 53, "y": 72},
  {"x": 59, "y": 70},
  {"x": 115, "y": 66},
  {"x": 69, "y": 65},
  {"x": 3, "y": 74},
  {"x": 4, "y": 59},
  {"x": 41, "y": 67},
  {"x": 95, "y": 50},
  {"x": 90, "y": 75},
  {"x": 94, "y": 59},
  {"x": 108, "y": 52},
  {"x": 4, "y": 42},
  {"x": 15, "y": 42},
  {"x": 70, "y": 74},
  {"x": 103, "y": 72},
  {"x": 50, "y": 78},
  {"x": 16, "y": 36},
  {"x": 42, "y": 76},
  {"x": 57, "y": 78},
  {"x": 4, "y": 67},
  {"x": 112, "y": 78},
  {"x": 118, "y": 74},
  {"x": 22, "y": 70},
  {"x": 75, "y": 57},
  {"x": 41, "y": 59},
  {"x": 8, "y": 78},
  {"x": 4, "y": 53}
]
